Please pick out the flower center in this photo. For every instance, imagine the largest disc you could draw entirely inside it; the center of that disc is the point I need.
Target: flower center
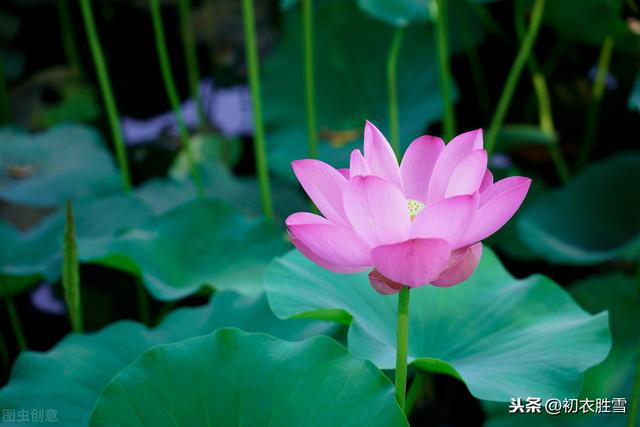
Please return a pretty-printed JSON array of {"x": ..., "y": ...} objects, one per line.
[{"x": 414, "y": 207}]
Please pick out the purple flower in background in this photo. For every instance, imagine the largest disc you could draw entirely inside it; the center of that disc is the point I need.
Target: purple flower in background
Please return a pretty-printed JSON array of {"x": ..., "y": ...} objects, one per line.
[
  {"x": 228, "y": 109},
  {"x": 45, "y": 300}
]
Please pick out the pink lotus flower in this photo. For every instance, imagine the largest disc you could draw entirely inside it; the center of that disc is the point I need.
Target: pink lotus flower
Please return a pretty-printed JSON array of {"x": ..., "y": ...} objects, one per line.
[{"x": 415, "y": 224}]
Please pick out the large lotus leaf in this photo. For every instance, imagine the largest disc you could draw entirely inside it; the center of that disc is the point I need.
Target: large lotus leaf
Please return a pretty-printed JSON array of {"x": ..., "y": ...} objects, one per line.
[
  {"x": 34, "y": 255},
  {"x": 162, "y": 195},
  {"x": 232, "y": 378},
  {"x": 595, "y": 218},
  {"x": 397, "y": 12},
  {"x": 241, "y": 192},
  {"x": 27, "y": 257},
  {"x": 613, "y": 377},
  {"x": 99, "y": 222},
  {"x": 203, "y": 243},
  {"x": 351, "y": 84},
  {"x": 502, "y": 336},
  {"x": 219, "y": 182},
  {"x": 67, "y": 161},
  {"x": 71, "y": 376},
  {"x": 403, "y": 12}
]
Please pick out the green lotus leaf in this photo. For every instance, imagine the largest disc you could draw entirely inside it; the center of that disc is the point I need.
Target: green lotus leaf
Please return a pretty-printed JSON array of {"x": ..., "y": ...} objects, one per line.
[
  {"x": 71, "y": 376},
  {"x": 202, "y": 243},
  {"x": 241, "y": 192},
  {"x": 65, "y": 162},
  {"x": 502, "y": 336},
  {"x": 610, "y": 379},
  {"x": 398, "y": 12},
  {"x": 27, "y": 257},
  {"x": 591, "y": 220},
  {"x": 233, "y": 378},
  {"x": 35, "y": 255}
]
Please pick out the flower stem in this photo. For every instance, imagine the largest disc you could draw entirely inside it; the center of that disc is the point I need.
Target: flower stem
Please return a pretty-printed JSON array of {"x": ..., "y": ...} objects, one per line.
[
  {"x": 392, "y": 83},
  {"x": 191, "y": 56},
  {"x": 71, "y": 272},
  {"x": 107, "y": 92},
  {"x": 514, "y": 74},
  {"x": 259, "y": 145},
  {"x": 172, "y": 92},
  {"x": 15, "y": 323},
  {"x": 594, "y": 108},
  {"x": 402, "y": 337},
  {"x": 442, "y": 44},
  {"x": 68, "y": 36},
  {"x": 546, "y": 124},
  {"x": 544, "y": 103},
  {"x": 309, "y": 80}
]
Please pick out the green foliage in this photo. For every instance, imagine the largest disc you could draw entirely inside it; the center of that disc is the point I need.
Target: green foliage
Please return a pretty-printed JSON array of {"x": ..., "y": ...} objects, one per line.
[
  {"x": 503, "y": 337},
  {"x": 67, "y": 161},
  {"x": 71, "y": 376},
  {"x": 350, "y": 83},
  {"x": 200, "y": 244},
  {"x": 398, "y": 12},
  {"x": 37, "y": 254},
  {"x": 618, "y": 294},
  {"x": 71, "y": 271},
  {"x": 27, "y": 257},
  {"x": 219, "y": 182},
  {"x": 595, "y": 218},
  {"x": 597, "y": 19},
  {"x": 78, "y": 104},
  {"x": 265, "y": 380}
]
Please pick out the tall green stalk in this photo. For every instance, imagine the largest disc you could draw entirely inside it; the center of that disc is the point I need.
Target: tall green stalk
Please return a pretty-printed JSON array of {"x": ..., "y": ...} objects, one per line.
[
  {"x": 442, "y": 44},
  {"x": 594, "y": 108},
  {"x": 402, "y": 346},
  {"x": 191, "y": 56},
  {"x": 71, "y": 272},
  {"x": 68, "y": 36},
  {"x": 107, "y": 92},
  {"x": 259, "y": 145},
  {"x": 309, "y": 79},
  {"x": 544, "y": 103},
  {"x": 15, "y": 323},
  {"x": 392, "y": 85},
  {"x": 514, "y": 74},
  {"x": 5, "y": 109},
  {"x": 172, "y": 92}
]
